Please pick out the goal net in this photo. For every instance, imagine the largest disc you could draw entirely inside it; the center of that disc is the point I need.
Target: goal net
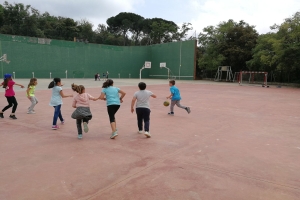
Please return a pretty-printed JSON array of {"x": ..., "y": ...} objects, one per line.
[{"x": 252, "y": 78}]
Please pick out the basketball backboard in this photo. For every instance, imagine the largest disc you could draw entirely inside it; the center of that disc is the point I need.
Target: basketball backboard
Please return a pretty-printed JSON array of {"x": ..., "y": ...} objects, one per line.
[
  {"x": 163, "y": 65},
  {"x": 147, "y": 64}
]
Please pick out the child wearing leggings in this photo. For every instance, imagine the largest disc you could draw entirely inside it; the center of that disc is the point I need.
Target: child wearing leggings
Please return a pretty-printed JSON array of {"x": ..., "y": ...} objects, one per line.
[
  {"x": 111, "y": 95},
  {"x": 82, "y": 114},
  {"x": 8, "y": 84}
]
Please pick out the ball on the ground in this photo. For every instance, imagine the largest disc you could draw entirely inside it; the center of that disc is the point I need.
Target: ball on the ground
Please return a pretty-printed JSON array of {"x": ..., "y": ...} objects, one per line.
[{"x": 166, "y": 103}]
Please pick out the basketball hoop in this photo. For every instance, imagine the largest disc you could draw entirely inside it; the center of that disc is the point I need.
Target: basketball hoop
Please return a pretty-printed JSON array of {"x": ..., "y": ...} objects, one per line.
[{"x": 4, "y": 58}]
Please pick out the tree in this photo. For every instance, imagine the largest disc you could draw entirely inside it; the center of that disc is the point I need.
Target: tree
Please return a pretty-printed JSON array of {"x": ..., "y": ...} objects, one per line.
[
  {"x": 229, "y": 43},
  {"x": 125, "y": 22},
  {"x": 85, "y": 31}
]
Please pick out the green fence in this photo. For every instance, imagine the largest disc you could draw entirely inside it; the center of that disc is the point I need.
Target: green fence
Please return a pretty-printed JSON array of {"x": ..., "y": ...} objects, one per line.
[{"x": 43, "y": 58}]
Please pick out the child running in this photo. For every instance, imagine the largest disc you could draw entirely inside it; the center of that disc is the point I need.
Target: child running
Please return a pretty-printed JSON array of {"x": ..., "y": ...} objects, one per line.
[
  {"x": 56, "y": 101},
  {"x": 175, "y": 98},
  {"x": 142, "y": 108},
  {"x": 82, "y": 114},
  {"x": 113, "y": 100},
  {"x": 31, "y": 96},
  {"x": 8, "y": 84}
]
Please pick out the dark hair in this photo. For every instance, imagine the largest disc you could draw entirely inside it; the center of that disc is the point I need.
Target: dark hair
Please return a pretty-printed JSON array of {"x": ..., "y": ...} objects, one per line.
[
  {"x": 78, "y": 88},
  {"x": 142, "y": 86},
  {"x": 107, "y": 83},
  {"x": 31, "y": 82},
  {"x": 172, "y": 82},
  {"x": 54, "y": 83},
  {"x": 5, "y": 82}
]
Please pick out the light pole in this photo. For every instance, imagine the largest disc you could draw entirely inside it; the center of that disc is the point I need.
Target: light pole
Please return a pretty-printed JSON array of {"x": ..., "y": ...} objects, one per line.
[{"x": 180, "y": 59}]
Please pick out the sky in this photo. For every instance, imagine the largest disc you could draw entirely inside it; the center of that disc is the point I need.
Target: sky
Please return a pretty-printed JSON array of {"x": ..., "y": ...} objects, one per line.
[{"x": 200, "y": 13}]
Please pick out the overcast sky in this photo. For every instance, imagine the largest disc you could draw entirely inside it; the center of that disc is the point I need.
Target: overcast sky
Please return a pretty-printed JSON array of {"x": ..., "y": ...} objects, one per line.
[{"x": 201, "y": 13}]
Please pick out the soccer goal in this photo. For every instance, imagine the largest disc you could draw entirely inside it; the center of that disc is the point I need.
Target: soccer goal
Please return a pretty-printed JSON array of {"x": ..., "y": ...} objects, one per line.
[{"x": 254, "y": 78}]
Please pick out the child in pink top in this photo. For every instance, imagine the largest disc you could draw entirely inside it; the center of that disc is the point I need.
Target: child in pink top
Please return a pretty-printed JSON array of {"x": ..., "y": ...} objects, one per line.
[
  {"x": 82, "y": 114},
  {"x": 8, "y": 84}
]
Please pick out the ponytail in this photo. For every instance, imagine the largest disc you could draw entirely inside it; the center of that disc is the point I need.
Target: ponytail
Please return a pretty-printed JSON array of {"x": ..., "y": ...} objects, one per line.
[
  {"x": 107, "y": 83},
  {"x": 54, "y": 83},
  {"x": 77, "y": 88}
]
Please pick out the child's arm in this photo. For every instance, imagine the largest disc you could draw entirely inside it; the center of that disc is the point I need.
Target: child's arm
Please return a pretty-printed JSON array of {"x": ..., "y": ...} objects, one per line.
[
  {"x": 27, "y": 92},
  {"x": 74, "y": 103},
  {"x": 170, "y": 96},
  {"x": 132, "y": 104},
  {"x": 122, "y": 95},
  {"x": 22, "y": 86},
  {"x": 153, "y": 95},
  {"x": 92, "y": 98},
  {"x": 64, "y": 96},
  {"x": 102, "y": 96}
]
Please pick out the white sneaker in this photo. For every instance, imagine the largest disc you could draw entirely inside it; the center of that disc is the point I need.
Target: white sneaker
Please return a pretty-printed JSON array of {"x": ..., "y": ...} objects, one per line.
[
  {"x": 140, "y": 132},
  {"x": 147, "y": 134},
  {"x": 30, "y": 112}
]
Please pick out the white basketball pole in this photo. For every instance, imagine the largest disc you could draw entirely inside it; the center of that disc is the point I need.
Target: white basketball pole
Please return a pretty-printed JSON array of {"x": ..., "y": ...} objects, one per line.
[{"x": 141, "y": 72}]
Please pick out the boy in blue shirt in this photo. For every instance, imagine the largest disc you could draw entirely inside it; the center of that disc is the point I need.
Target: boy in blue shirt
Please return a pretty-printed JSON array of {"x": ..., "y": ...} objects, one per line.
[{"x": 175, "y": 98}]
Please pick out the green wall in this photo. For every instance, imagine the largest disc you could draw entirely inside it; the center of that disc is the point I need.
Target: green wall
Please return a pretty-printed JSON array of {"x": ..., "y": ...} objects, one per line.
[{"x": 81, "y": 60}]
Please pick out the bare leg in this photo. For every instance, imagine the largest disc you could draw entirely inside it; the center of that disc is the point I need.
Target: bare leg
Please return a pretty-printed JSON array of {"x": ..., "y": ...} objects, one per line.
[{"x": 113, "y": 126}]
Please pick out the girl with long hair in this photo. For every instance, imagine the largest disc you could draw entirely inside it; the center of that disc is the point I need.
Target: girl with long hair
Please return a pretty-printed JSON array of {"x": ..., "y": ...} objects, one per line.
[
  {"x": 8, "y": 84},
  {"x": 56, "y": 101},
  {"x": 31, "y": 96},
  {"x": 111, "y": 95},
  {"x": 82, "y": 114}
]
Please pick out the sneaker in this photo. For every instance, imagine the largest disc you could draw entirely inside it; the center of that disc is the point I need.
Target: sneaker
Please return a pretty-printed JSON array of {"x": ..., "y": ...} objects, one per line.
[
  {"x": 12, "y": 117},
  {"x": 140, "y": 132},
  {"x": 113, "y": 135},
  {"x": 62, "y": 122},
  {"x": 188, "y": 110},
  {"x": 171, "y": 113},
  {"x": 54, "y": 127},
  {"x": 79, "y": 136},
  {"x": 1, "y": 115},
  {"x": 30, "y": 112},
  {"x": 147, "y": 134},
  {"x": 85, "y": 127}
]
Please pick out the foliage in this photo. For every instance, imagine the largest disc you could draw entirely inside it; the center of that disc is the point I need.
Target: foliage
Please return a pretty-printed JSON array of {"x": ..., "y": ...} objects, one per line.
[
  {"x": 122, "y": 29},
  {"x": 228, "y": 44}
]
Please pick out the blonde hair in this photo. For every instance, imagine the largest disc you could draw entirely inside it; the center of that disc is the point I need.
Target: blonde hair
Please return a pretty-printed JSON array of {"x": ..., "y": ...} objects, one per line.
[
  {"x": 78, "y": 88},
  {"x": 31, "y": 82}
]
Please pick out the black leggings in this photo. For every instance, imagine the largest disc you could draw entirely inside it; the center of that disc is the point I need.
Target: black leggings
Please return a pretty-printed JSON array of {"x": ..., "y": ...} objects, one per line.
[
  {"x": 112, "y": 110},
  {"x": 12, "y": 102},
  {"x": 79, "y": 122}
]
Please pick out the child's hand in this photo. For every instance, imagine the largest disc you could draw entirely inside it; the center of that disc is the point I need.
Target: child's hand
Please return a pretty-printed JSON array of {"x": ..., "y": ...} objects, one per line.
[
  {"x": 22, "y": 86},
  {"x": 132, "y": 110}
]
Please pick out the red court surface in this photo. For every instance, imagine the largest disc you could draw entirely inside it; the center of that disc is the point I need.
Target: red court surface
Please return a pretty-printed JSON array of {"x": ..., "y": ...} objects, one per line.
[{"x": 239, "y": 142}]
